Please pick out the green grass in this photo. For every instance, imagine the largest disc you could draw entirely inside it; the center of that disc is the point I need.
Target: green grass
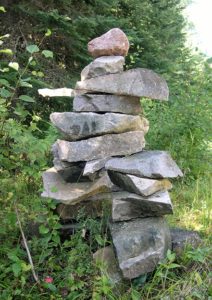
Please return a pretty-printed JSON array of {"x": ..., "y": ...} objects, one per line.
[{"x": 69, "y": 262}]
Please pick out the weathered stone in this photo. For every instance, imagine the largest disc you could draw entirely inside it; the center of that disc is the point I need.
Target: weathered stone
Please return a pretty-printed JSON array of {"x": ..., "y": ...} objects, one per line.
[
  {"x": 93, "y": 166},
  {"x": 136, "y": 82},
  {"x": 93, "y": 207},
  {"x": 137, "y": 185},
  {"x": 151, "y": 164},
  {"x": 127, "y": 206},
  {"x": 76, "y": 126},
  {"x": 70, "y": 172},
  {"x": 181, "y": 238},
  {"x": 113, "y": 42},
  {"x": 101, "y": 147},
  {"x": 106, "y": 257},
  {"x": 102, "y": 66},
  {"x": 71, "y": 193},
  {"x": 140, "y": 244},
  {"x": 107, "y": 103}
]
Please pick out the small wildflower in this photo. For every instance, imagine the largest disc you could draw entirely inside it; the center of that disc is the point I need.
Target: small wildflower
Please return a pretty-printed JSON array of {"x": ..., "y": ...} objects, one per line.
[{"x": 48, "y": 279}]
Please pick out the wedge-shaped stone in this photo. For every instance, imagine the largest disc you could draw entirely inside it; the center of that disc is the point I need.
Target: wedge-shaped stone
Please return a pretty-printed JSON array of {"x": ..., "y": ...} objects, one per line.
[
  {"x": 151, "y": 164},
  {"x": 76, "y": 126},
  {"x": 107, "y": 103},
  {"x": 101, "y": 147},
  {"x": 137, "y": 185},
  {"x": 71, "y": 193},
  {"x": 140, "y": 244},
  {"x": 113, "y": 42},
  {"x": 94, "y": 166},
  {"x": 102, "y": 66},
  {"x": 136, "y": 82},
  {"x": 127, "y": 206}
]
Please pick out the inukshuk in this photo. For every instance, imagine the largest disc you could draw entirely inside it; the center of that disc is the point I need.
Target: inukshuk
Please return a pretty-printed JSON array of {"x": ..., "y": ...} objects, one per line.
[{"x": 102, "y": 156}]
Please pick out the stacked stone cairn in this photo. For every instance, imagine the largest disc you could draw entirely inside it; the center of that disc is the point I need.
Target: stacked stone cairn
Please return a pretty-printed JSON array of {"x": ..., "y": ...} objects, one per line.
[{"x": 102, "y": 158}]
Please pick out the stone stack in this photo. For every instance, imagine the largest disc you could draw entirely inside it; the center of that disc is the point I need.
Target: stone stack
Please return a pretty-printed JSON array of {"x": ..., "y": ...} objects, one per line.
[{"x": 101, "y": 158}]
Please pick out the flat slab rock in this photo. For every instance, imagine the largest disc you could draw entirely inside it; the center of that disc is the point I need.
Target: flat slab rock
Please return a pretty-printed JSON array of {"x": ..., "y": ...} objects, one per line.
[
  {"x": 71, "y": 193},
  {"x": 128, "y": 206},
  {"x": 102, "y": 66},
  {"x": 140, "y": 244},
  {"x": 181, "y": 238},
  {"x": 137, "y": 185},
  {"x": 150, "y": 164},
  {"x": 113, "y": 42},
  {"x": 107, "y": 103},
  {"x": 136, "y": 82},
  {"x": 76, "y": 126},
  {"x": 101, "y": 147}
]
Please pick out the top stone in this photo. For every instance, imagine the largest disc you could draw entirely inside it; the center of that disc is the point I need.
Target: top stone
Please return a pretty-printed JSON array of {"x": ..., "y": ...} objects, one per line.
[{"x": 113, "y": 42}]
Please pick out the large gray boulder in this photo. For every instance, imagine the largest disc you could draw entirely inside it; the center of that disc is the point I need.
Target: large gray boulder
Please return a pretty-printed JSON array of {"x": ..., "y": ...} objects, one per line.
[
  {"x": 77, "y": 126},
  {"x": 127, "y": 206},
  {"x": 137, "y": 185},
  {"x": 103, "y": 65},
  {"x": 151, "y": 164},
  {"x": 71, "y": 193},
  {"x": 140, "y": 244},
  {"x": 136, "y": 82},
  {"x": 107, "y": 103},
  {"x": 101, "y": 147}
]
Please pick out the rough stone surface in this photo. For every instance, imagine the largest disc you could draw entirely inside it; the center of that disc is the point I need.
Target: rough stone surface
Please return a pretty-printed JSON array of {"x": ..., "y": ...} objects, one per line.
[
  {"x": 76, "y": 126},
  {"x": 102, "y": 66},
  {"x": 101, "y": 147},
  {"x": 127, "y": 206},
  {"x": 107, "y": 103},
  {"x": 140, "y": 244},
  {"x": 106, "y": 257},
  {"x": 93, "y": 207},
  {"x": 151, "y": 164},
  {"x": 137, "y": 185},
  {"x": 93, "y": 166},
  {"x": 70, "y": 172},
  {"x": 182, "y": 238},
  {"x": 71, "y": 193},
  {"x": 136, "y": 82},
  {"x": 113, "y": 42}
]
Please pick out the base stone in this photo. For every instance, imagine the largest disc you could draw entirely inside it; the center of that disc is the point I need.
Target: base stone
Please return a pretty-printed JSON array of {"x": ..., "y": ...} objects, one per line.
[{"x": 140, "y": 244}]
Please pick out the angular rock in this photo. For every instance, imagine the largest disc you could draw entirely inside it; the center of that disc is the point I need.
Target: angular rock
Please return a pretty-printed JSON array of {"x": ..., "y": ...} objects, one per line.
[
  {"x": 102, "y": 66},
  {"x": 76, "y": 126},
  {"x": 182, "y": 238},
  {"x": 140, "y": 244},
  {"x": 127, "y": 206},
  {"x": 107, "y": 103},
  {"x": 136, "y": 82},
  {"x": 91, "y": 167},
  {"x": 101, "y": 147},
  {"x": 137, "y": 185},
  {"x": 93, "y": 207},
  {"x": 71, "y": 193},
  {"x": 70, "y": 172},
  {"x": 106, "y": 257},
  {"x": 150, "y": 164},
  {"x": 113, "y": 42}
]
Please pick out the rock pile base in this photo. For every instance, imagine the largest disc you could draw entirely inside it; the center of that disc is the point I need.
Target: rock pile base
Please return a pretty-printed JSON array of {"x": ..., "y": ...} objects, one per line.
[{"x": 101, "y": 157}]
